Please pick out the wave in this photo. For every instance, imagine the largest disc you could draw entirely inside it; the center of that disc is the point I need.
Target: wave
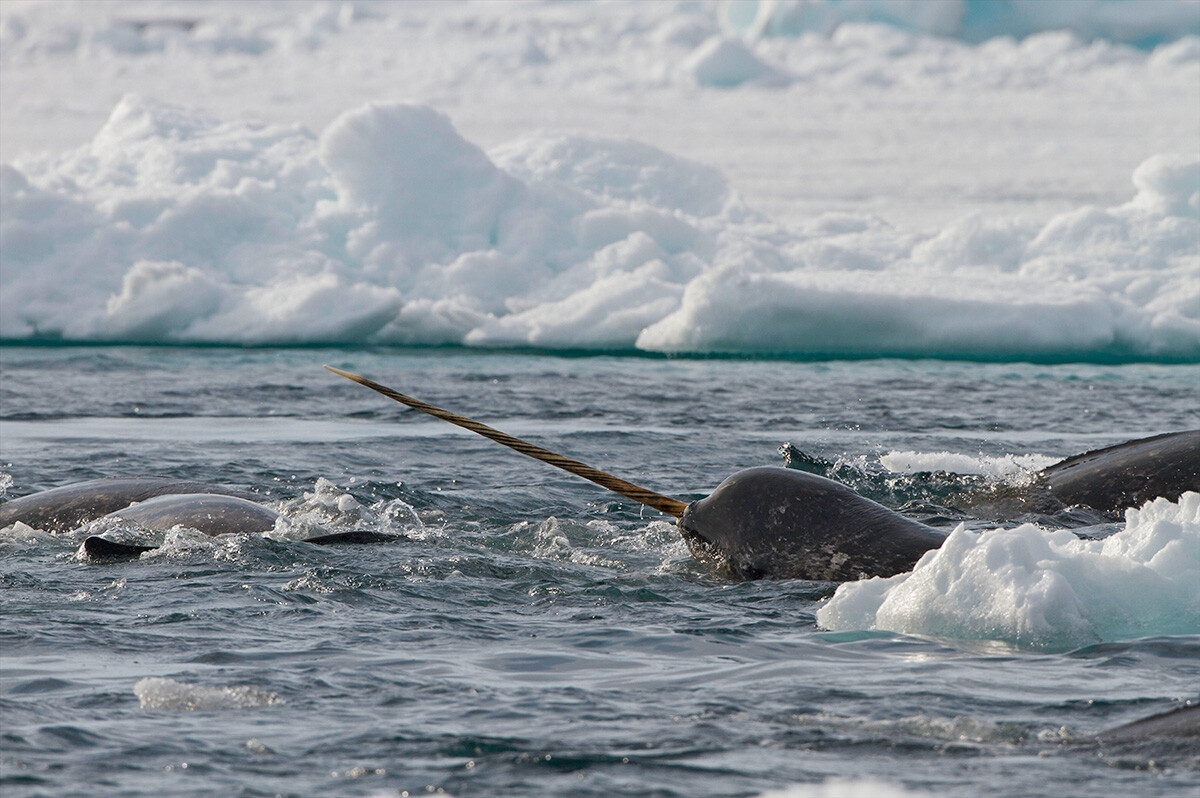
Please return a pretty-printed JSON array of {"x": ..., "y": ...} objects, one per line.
[{"x": 390, "y": 228}]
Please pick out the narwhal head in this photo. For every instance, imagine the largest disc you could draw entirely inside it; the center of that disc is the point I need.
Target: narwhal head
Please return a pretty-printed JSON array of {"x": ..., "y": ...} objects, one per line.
[{"x": 780, "y": 522}]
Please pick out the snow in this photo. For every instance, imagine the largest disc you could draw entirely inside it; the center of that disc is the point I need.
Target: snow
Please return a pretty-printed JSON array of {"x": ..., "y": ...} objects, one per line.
[{"x": 847, "y": 179}]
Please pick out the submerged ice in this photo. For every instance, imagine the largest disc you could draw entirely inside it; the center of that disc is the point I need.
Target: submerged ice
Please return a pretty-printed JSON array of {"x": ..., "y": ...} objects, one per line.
[
  {"x": 1040, "y": 589},
  {"x": 390, "y": 227}
]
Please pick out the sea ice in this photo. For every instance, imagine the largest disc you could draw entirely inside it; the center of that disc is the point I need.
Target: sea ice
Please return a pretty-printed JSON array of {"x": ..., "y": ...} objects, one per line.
[
  {"x": 391, "y": 227},
  {"x": 1040, "y": 589}
]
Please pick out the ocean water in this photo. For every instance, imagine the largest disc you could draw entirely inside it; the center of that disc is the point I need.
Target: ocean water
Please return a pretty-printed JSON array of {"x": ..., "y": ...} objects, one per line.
[{"x": 532, "y": 634}]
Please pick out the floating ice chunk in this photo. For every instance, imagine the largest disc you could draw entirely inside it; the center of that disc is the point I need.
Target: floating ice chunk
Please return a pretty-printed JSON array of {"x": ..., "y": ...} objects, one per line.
[
  {"x": 832, "y": 313},
  {"x": 1117, "y": 281},
  {"x": 1040, "y": 589}
]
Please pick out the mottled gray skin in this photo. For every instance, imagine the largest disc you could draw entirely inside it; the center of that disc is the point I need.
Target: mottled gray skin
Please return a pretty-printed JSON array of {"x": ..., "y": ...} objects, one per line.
[
  {"x": 1179, "y": 723},
  {"x": 1128, "y": 474},
  {"x": 783, "y": 523},
  {"x": 72, "y": 506},
  {"x": 205, "y": 512},
  {"x": 1107, "y": 480}
]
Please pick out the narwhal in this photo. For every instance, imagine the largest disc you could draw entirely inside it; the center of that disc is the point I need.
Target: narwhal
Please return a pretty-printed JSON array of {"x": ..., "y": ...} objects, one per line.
[
  {"x": 785, "y": 523},
  {"x": 154, "y": 504}
]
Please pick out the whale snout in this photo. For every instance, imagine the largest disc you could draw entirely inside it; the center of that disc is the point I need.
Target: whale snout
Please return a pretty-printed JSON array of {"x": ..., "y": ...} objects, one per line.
[
  {"x": 704, "y": 540},
  {"x": 726, "y": 528}
]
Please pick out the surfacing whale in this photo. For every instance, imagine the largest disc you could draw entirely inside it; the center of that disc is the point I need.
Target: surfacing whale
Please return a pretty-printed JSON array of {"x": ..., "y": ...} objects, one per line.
[
  {"x": 72, "y": 506},
  {"x": 785, "y": 523},
  {"x": 788, "y": 523},
  {"x": 154, "y": 504},
  {"x": 777, "y": 522},
  {"x": 1180, "y": 723},
  {"x": 1108, "y": 480}
]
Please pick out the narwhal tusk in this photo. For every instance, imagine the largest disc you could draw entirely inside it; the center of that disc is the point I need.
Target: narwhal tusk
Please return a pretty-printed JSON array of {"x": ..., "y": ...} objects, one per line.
[{"x": 627, "y": 489}]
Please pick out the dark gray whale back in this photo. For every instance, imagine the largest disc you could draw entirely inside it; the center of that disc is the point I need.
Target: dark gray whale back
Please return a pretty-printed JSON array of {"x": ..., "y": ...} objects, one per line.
[
  {"x": 1128, "y": 474},
  {"x": 779, "y": 522},
  {"x": 1107, "y": 480},
  {"x": 1179, "y": 723},
  {"x": 71, "y": 506}
]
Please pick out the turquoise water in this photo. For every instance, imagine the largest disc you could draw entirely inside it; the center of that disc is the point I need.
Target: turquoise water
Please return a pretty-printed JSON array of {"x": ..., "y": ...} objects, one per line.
[{"x": 533, "y": 635}]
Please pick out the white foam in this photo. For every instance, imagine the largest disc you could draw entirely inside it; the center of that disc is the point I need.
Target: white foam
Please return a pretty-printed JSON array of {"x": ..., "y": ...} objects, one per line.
[
  {"x": 167, "y": 694},
  {"x": 845, "y": 788},
  {"x": 912, "y": 462},
  {"x": 1042, "y": 589},
  {"x": 328, "y": 509}
]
